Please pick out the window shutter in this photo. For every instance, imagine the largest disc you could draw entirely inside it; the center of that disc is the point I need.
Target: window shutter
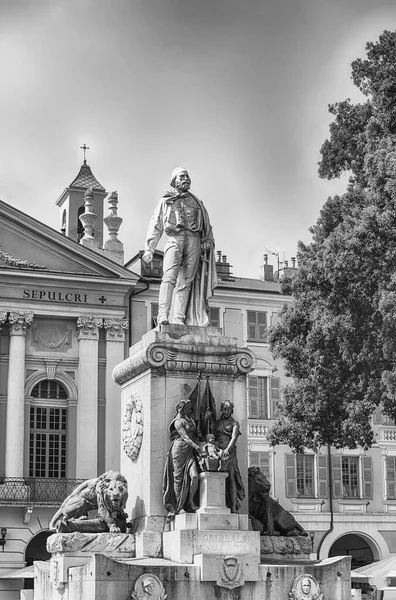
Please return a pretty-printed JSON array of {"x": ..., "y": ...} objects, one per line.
[
  {"x": 337, "y": 482},
  {"x": 262, "y": 325},
  {"x": 367, "y": 477},
  {"x": 322, "y": 476},
  {"x": 264, "y": 462},
  {"x": 253, "y": 397},
  {"x": 254, "y": 459},
  {"x": 275, "y": 396},
  {"x": 290, "y": 476},
  {"x": 390, "y": 477}
]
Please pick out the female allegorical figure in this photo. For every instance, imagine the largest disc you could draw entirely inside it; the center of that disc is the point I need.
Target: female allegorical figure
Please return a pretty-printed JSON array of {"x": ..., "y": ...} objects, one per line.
[
  {"x": 227, "y": 433},
  {"x": 180, "y": 484}
]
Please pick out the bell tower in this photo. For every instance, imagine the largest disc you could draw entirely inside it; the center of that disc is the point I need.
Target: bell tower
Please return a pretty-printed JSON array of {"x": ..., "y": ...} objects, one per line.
[{"x": 71, "y": 204}]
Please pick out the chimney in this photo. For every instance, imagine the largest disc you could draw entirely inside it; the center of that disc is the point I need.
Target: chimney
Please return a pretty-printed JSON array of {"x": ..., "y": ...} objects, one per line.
[
  {"x": 223, "y": 267},
  {"x": 287, "y": 271},
  {"x": 266, "y": 272}
]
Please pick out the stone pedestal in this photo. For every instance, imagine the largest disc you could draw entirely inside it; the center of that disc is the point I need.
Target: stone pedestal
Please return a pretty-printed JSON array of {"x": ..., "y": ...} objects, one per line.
[
  {"x": 212, "y": 492},
  {"x": 161, "y": 370}
]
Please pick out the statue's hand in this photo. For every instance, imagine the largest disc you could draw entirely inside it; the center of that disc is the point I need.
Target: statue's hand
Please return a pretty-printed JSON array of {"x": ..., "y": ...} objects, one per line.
[
  {"x": 205, "y": 246},
  {"x": 147, "y": 256},
  {"x": 226, "y": 453},
  {"x": 169, "y": 230}
]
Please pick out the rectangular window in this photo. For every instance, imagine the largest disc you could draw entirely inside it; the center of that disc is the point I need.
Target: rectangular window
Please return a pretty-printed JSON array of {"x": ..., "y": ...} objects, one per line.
[
  {"x": 305, "y": 475},
  {"x": 352, "y": 476},
  {"x": 257, "y": 328},
  {"x": 258, "y": 397},
  {"x": 214, "y": 316},
  {"x": 47, "y": 443},
  {"x": 391, "y": 477},
  {"x": 261, "y": 460}
]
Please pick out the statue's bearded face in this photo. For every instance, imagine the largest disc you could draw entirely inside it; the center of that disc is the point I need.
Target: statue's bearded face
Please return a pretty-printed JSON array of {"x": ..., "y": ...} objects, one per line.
[{"x": 182, "y": 182}]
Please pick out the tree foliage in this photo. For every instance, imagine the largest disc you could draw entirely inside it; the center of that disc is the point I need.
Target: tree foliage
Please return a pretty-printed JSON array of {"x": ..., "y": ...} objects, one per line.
[{"x": 338, "y": 338}]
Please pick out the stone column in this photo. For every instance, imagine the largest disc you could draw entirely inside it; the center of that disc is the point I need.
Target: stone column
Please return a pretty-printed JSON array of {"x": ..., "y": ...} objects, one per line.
[
  {"x": 87, "y": 407},
  {"x": 115, "y": 344},
  {"x": 19, "y": 323}
]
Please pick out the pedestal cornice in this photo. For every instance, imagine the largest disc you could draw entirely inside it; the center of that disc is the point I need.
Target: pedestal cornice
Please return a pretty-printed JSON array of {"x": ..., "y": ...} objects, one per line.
[
  {"x": 181, "y": 348},
  {"x": 20, "y": 322}
]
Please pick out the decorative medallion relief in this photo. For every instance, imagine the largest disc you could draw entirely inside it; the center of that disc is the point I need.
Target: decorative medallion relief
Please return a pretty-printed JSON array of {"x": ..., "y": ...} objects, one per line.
[
  {"x": 12, "y": 261},
  {"x": 115, "y": 329},
  {"x": 132, "y": 427},
  {"x": 148, "y": 587},
  {"x": 20, "y": 322},
  {"x": 230, "y": 573},
  {"x": 305, "y": 587},
  {"x": 88, "y": 327}
]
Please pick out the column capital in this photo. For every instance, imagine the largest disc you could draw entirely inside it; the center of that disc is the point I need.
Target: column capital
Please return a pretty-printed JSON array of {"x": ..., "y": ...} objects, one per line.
[
  {"x": 115, "y": 329},
  {"x": 20, "y": 322},
  {"x": 88, "y": 327},
  {"x": 3, "y": 318}
]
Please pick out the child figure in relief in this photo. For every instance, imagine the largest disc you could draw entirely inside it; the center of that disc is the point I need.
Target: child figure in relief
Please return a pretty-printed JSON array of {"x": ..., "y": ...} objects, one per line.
[{"x": 214, "y": 455}]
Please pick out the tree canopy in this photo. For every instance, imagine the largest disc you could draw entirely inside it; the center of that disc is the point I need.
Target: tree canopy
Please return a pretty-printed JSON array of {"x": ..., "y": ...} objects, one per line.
[{"x": 338, "y": 337}]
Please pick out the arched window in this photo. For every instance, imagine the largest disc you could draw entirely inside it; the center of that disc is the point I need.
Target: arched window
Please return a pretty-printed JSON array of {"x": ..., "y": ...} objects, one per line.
[{"x": 48, "y": 431}]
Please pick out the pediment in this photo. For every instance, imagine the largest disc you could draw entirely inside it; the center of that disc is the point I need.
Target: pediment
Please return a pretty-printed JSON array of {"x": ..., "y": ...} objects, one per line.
[{"x": 28, "y": 244}]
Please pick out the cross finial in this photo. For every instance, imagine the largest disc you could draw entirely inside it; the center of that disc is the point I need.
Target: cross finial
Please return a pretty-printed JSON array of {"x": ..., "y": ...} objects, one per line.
[{"x": 84, "y": 148}]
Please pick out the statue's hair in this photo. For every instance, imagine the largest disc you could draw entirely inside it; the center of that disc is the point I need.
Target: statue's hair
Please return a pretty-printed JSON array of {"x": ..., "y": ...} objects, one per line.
[
  {"x": 182, "y": 403},
  {"x": 175, "y": 173},
  {"x": 225, "y": 403}
]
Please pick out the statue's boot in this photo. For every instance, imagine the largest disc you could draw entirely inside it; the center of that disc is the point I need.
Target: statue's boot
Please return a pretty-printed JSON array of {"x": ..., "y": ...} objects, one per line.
[{"x": 164, "y": 303}]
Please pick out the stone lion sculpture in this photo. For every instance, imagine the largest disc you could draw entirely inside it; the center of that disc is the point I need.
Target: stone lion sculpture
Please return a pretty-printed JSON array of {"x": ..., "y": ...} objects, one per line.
[
  {"x": 266, "y": 513},
  {"x": 107, "y": 493}
]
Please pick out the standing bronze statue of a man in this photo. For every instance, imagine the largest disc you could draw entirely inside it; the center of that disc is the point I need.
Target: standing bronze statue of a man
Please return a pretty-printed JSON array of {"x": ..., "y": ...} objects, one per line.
[{"x": 189, "y": 257}]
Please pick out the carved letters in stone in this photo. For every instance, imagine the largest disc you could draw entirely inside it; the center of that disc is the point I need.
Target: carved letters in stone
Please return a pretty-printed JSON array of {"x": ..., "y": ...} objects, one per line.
[
  {"x": 132, "y": 427},
  {"x": 305, "y": 587},
  {"x": 20, "y": 322},
  {"x": 115, "y": 329},
  {"x": 88, "y": 327},
  {"x": 230, "y": 573},
  {"x": 148, "y": 587}
]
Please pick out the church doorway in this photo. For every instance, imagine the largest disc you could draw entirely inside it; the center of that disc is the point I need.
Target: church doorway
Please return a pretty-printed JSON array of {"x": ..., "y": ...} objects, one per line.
[
  {"x": 355, "y": 546},
  {"x": 36, "y": 550}
]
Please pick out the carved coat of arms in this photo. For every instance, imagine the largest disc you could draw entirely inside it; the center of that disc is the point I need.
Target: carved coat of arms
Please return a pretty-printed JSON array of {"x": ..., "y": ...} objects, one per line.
[{"x": 230, "y": 573}]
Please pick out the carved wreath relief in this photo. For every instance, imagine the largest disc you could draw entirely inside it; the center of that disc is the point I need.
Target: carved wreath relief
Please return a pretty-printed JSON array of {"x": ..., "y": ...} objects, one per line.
[
  {"x": 132, "y": 427},
  {"x": 305, "y": 587},
  {"x": 148, "y": 587}
]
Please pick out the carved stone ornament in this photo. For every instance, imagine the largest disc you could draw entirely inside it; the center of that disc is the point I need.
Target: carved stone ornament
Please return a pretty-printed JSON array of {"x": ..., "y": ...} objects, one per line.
[
  {"x": 12, "y": 261},
  {"x": 3, "y": 319},
  {"x": 55, "y": 576},
  {"x": 230, "y": 573},
  {"x": 132, "y": 427},
  {"x": 20, "y": 322},
  {"x": 88, "y": 327},
  {"x": 115, "y": 329},
  {"x": 228, "y": 361},
  {"x": 305, "y": 587},
  {"x": 148, "y": 587},
  {"x": 64, "y": 338}
]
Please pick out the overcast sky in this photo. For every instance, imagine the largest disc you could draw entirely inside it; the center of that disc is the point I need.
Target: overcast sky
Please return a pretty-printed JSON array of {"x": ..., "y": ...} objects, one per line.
[{"x": 234, "y": 90}]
